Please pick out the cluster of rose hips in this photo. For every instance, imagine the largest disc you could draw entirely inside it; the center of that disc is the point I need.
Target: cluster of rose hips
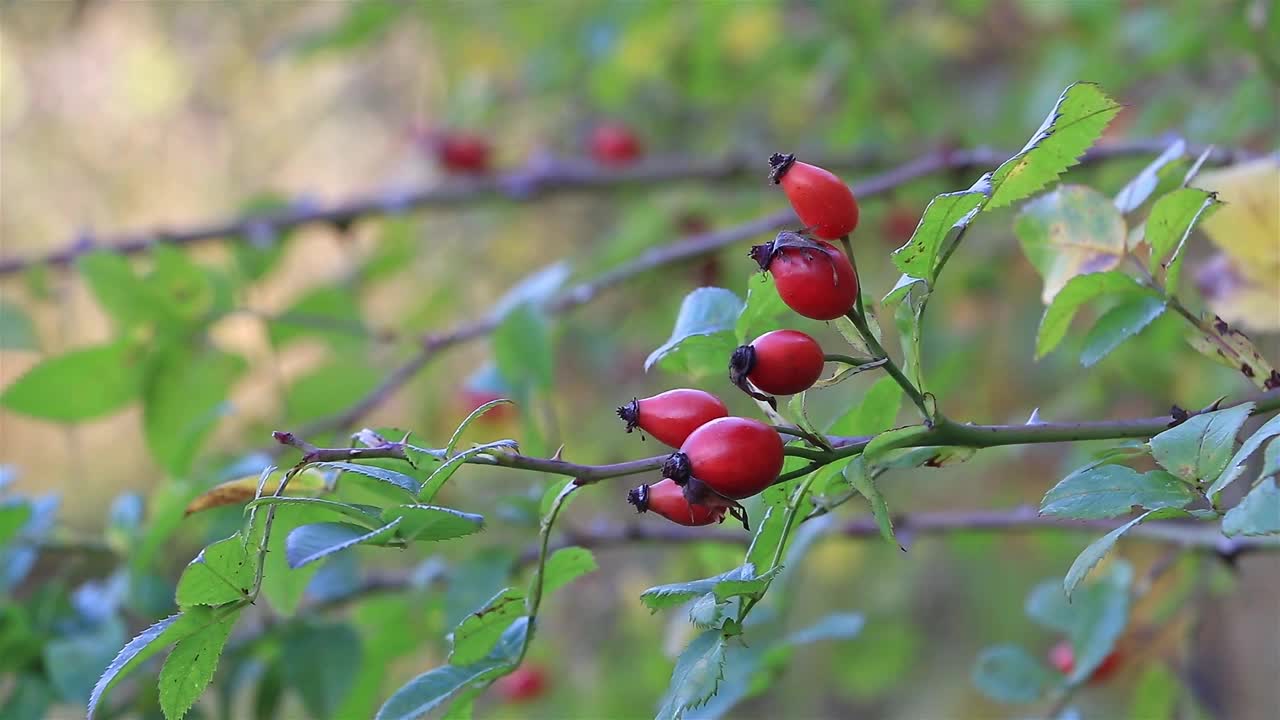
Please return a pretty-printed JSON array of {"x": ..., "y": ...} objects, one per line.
[
  {"x": 466, "y": 153},
  {"x": 720, "y": 459}
]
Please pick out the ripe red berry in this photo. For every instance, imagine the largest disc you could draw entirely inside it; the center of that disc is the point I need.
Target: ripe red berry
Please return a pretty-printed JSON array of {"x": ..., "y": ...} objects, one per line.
[
  {"x": 1062, "y": 658},
  {"x": 463, "y": 152},
  {"x": 782, "y": 362},
  {"x": 821, "y": 200},
  {"x": 667, "y": 499},
  {"x": 736, "y": 457},
  {"x": 523, "y": 684},
  {"x": 813, "y": 278},
  {"x": 614, "y": 144},
  {"x": 672, "y": 415}
]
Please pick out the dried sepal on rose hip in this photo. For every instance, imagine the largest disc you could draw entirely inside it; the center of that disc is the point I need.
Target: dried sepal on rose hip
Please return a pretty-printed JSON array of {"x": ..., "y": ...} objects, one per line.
[
  {"x": 667, "y": 499},
  {"x": 782, "y": 362},
  {"x": 821, "y": 200},
  {"x": 736, "y": 457},
  {"x": 813, "y": 277},
  {"x": 671, "y": 416}
]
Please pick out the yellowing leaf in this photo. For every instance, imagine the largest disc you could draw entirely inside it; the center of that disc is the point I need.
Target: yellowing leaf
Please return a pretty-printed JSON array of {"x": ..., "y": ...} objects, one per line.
[
  {"x": 1071, "y": 231},
  {"x": 242, "y": 490},
  {"x": 1244, "y": 288},
  {"x": 1247, "y": 227}
]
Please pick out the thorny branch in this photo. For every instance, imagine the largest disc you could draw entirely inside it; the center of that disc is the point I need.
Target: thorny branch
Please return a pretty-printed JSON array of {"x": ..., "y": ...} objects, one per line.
[
  {"x": 431, "y": 344},
  {"x": 538, "y": 179}
]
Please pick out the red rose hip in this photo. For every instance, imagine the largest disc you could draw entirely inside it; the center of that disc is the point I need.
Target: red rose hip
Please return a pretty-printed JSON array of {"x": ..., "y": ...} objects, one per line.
[
  {"x": 813, "y": 278},
  {"x": 672, "y": 415},
  {"x": 523, "y": 684},
  {"x": 667, "y": 499},
  {"x": 821, "y": 200},
  {"x": 614, "y": 144},
  {"x": 735, "y": 457},
  {"x": 463, "y": 152},
  {"x": 782, "y": 362}
]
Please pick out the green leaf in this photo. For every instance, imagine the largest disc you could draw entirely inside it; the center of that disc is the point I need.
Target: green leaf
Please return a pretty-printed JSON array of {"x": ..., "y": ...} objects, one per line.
[
  {"x": 441, "y": 475},
  {"x": 16, "y": 330},
  {"x": 877, "y": 412},
  {"x": 329, "y": 312},
  {"x": 1155, "y": 695},
  {"x": 120, "y": 292},
  {"x": 1257, "y": 514},
  {"x": 429, "y": 690},
  {"x": 1270, "y": 461},
  {"x": 282, "y": 585},
  {"x": 183, "y": 397},
  {"x": 73, "y": 661},
  {"x": 149, "y": 642},
  {"x": 1171, "y": 221},
  {"x": 919, "y": 256},
  {"x": 321, "y": 661},
  {"x": 665, "y": 596},
  {"x": 836, "y": 626},
  {"x": 189, "y": 668},
  {"x": 1199, "y": 448},
  {"x": 1111, "y": 490},
  {"x": 1235, "y": 465},
  {"x": 703, "y": 337},
  {"x": 480, "y": 631},
  {"x": 1076, "y": 121},
  {"x": 309, "y": 543},
  {"x": 30, "y": 698},
  {"x": 223, "y": 572},
  {"x": 1135, "y": 193},
  {"x": 858, "y": 476},
  {"x": 390, "y": 477},
  {"x": 696, "y": 676},
  {"x": 1098, "y": 549},
  {"x": 566, "y": 565},
  {"x": 430, "y": 523},
  {"x": 522, "y": 349},
  {"x": 80, "y": 385},
  {"x": 14, "y": 515},
  {"x": 1120, "y": 323},
  {"x": 763, "y": 308},
  {"x": 1078, "y": 291},
  {"x": 764, "y": 544},
  {"x": 1009, "y": 674},
  {"x": 366, "y": 515},
  {"x": 749, "y": 585},
  {"x": 1071, "y": 231},
  {"x": 1100, "y": 615},
  {"x": 187, "y": 295},
  {"x": 466, "y": 423}
]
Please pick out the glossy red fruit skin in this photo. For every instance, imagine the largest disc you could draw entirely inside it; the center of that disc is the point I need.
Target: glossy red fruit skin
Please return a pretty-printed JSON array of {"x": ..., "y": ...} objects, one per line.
[
  {"x": 671, "y": 416},
  {"x": 1062, "y": 658},
  {"x": 667, "y": 499},
  {"x": 463, "y": 152},
  {"x": 821, "y": 200},
  {"x": 737, "y": 457},
  {"x": 817, "y": 287},
  {"x": 615, "y": 144},
  {"x": 523, "y": 684},
  {"x": 785, "y": 362}
]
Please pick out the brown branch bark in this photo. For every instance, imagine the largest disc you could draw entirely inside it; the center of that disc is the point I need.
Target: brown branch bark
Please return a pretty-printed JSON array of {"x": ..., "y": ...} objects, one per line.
[{"x": 536, "y": 180}]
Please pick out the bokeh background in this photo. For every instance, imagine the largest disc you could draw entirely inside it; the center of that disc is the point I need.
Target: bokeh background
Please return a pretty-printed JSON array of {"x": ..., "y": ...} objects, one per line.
[{"x": 131, "y": 116}]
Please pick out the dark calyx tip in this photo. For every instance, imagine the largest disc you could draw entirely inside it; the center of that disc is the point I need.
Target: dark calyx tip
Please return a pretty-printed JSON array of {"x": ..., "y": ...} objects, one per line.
[
  {"x": 762, "y": 254},
  {"x": 779, "y": 164},
  {"x": 630, "y": 413},
  {"x": 639, "y": 497},
  {"x": 677, "y": 468}
]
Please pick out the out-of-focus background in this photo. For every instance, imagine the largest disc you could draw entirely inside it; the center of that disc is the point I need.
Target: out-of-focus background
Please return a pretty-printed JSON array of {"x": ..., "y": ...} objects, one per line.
[{"x": 127, "y": 117}]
